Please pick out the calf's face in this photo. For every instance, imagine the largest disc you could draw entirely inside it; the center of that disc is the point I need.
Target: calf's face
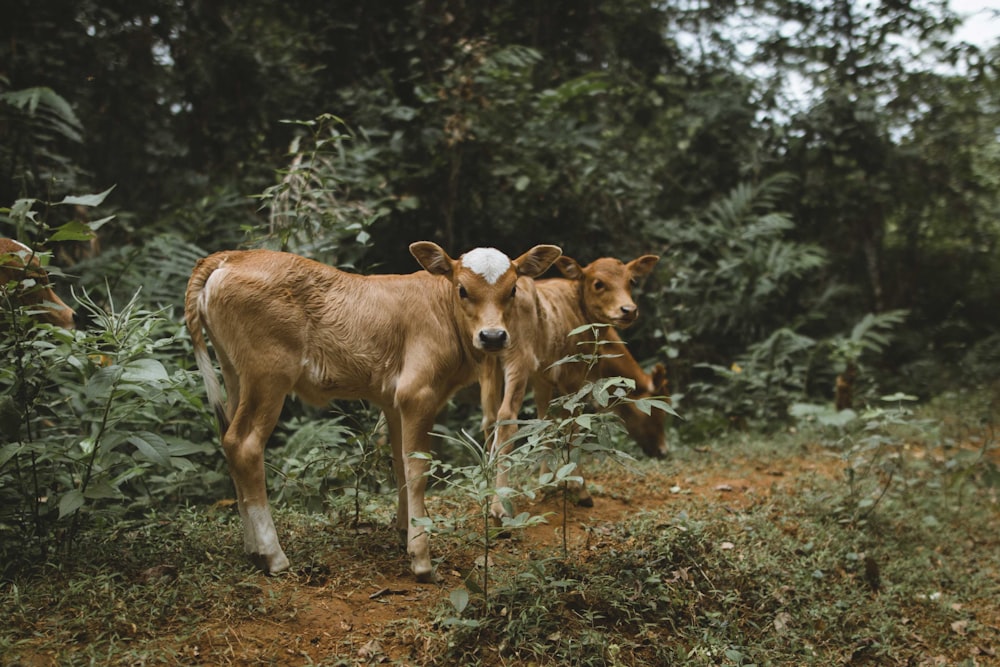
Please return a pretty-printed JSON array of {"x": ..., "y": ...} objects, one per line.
[
  {"x": 606, "y": 287},
  {"x": 484, "y": 284}
]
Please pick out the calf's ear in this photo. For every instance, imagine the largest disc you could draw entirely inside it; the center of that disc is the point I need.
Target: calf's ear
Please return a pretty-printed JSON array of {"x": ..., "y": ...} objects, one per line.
[
  {"x": 432, "y": 257},
  {"x": 570, "y": 268},
  {"x": 537, "y": 261},
  {"x": 642, "y": 266}
]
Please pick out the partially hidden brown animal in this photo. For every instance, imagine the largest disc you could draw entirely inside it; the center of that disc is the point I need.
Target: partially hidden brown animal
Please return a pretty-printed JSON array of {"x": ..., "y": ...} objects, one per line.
[
  {"x": 552, "y": 309},
  {"x": 26, "y": 285},
  {"x": 283, "y": 324}
]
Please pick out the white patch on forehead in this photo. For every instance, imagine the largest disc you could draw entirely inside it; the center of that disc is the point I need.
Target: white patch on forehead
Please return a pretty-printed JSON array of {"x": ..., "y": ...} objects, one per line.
[{"x": 490, "y": 263}]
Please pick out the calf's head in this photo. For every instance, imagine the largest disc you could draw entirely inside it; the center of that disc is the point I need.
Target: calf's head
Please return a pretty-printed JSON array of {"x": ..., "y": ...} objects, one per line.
[
  {"x": 23, "y": 279},
  {"x": 606, "y": 287},
  {"x": 648, "y": 429},
  {"x": 484, "y": 283}
]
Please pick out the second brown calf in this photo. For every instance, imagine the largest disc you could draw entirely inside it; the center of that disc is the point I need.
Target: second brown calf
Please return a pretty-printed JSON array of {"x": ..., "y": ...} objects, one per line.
[{"x": 551, "y": 310}]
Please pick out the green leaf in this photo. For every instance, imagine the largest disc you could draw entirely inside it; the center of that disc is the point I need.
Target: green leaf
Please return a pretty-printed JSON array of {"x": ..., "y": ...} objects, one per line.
[
  {"x": 73, "y": 231},
  {"x": 101, "y": 382},
  {"x": 152, "y": 446},
  {"x": 87, "y": 200},
  {"x": 102, "y": 490},
  {"x": 144, "y": 370},
  {"x": 70, "y": 502},
  {"x": 565, "y": 470},
  {"x": 188, "y": 448},
  {"x": 459, "y": 599},
  {"x": 9, "y": 451}
]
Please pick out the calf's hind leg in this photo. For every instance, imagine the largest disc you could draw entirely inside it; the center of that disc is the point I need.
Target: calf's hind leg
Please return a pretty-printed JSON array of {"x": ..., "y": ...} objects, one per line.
[{"x": 243, "y": 443}]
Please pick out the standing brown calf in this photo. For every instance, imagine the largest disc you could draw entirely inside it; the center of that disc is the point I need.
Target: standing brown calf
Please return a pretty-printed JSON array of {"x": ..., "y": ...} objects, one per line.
[
  {"x": 284, "y": 324},
  {"x": 550, "y": 310},
  {"x": 26, "y": 284}
]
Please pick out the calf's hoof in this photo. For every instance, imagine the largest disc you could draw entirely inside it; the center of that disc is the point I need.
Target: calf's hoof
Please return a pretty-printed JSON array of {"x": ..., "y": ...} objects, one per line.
[
  {"x": 270, "y": 563},
  {"x": 429, "y": 577}
]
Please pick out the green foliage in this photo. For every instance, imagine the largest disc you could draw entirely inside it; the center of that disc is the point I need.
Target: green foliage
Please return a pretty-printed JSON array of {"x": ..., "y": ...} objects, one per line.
[
  {"x": 737, "y": 273},
  {"x": 36, "y": 125},
  {"x": 812, "y": 575},
  {"x": 760, "y": 384},
  {"x": 328, "y": 197},
  {"x": 331, "y": 463},
  {"x": 95, "y": 424},
  {"x": 98, "y": 427},
  {"x": 476, "y": 483},
  {"x": 777, "y": 377},
  {"x": 786, "y": 577}
]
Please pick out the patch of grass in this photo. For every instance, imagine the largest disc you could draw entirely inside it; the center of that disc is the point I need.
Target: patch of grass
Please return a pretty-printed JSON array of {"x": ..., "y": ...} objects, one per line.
[
  {"x": 793, "y": 580},
  {"x": 777, "y": 583},
  {"x": 122, "y": 592}
]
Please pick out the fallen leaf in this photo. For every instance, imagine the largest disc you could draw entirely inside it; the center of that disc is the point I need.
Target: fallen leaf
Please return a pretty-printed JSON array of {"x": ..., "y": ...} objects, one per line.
[{"x": 371, "y": 650}]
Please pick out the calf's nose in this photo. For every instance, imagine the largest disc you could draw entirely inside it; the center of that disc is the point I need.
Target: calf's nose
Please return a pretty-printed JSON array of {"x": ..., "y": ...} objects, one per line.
[{"x": 493, "y": 339}]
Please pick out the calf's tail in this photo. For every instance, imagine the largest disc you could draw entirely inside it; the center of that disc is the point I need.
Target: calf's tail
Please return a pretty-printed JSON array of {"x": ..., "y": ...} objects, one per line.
[{"x": 194, "y": 301}]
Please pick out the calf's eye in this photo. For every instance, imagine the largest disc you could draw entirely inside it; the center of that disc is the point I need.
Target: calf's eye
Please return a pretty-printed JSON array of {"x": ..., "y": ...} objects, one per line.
[
  {"x": 598, "y": 285},
  {"x": 462, "y": 292},
  {"x": 513, "y": 291}
]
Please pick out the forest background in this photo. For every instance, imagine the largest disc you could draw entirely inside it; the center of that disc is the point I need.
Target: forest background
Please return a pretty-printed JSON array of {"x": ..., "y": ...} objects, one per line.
[{"x": 822, "y": 181}]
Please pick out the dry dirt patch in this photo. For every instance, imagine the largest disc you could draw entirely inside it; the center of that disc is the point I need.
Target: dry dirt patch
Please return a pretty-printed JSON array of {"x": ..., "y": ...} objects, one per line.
[{"x": 373, "y": 610}]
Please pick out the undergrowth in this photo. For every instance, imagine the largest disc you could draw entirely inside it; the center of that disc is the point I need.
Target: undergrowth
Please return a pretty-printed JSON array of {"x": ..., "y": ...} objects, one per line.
[{"x": 794, "y": 575}]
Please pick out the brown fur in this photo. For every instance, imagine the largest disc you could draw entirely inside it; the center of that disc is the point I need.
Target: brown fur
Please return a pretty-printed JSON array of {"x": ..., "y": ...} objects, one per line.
[
  {"x": 28, "y": 286},
  {"x": 284, "y": 324},
  {"x": 598, "y": 293}
]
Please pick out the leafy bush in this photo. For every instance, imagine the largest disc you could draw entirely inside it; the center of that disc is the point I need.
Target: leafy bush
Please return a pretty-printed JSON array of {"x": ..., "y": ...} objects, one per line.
[{"x": 96, "y": 427}]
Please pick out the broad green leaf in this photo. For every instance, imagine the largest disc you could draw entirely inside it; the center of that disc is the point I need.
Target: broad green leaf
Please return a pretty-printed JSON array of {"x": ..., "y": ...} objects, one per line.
[
  {"x": 144, "y": 370},
  {"x": 102, "y": 491},
  {"x": 152, "y": 446},
  {"x": 565, "y": 470},
  {"x": 459, "y": 599},
  {"x": 100, "y": 383},
  {"x": 9, "y": 451},
  {"x": 73, "y": 230},
  {"x": 87, "y": 200},
  {"x": 70, "y": 502}
]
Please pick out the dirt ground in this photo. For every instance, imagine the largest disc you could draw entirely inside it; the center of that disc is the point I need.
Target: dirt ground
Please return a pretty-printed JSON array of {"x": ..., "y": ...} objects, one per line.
[{"x": 371, "y": 611}]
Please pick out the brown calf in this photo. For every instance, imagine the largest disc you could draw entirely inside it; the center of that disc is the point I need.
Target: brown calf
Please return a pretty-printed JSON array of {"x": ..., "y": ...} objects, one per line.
[
  {"x": 551, "y": 309},
  {"x": 26, "y": 284},
  {"x": 283, "y": 324}
]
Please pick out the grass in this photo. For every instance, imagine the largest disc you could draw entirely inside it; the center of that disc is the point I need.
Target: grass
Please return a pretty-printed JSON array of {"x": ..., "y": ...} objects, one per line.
[{"x": 789, "y": 575}]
